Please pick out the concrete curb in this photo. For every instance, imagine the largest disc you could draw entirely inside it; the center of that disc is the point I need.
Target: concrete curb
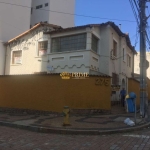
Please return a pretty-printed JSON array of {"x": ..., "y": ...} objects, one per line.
[{"x": 72, "y": 131}]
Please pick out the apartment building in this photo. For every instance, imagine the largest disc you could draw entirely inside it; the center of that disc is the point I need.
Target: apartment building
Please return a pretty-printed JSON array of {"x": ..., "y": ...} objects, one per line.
[
  {"x": 58, "y": 12},
  {"x": 13, "y": 21}
]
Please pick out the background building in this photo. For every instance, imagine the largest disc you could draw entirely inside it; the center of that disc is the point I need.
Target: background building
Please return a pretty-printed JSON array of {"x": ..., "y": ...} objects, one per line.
[
  {"x": 13, "y": 21},
  {"x": 56, "y": 12},
  {"x": 137, "y": 61},
  {"x": 17, "y": 16}
]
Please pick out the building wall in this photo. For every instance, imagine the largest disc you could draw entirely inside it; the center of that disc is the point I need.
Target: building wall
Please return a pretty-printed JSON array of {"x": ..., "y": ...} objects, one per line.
[
  {"x": 51, "y": 93},
  {"x": 55, "y": 13},
  {"x": 148, "y": 88},
  {"x": 40, "y": 15},
  {"x": 29, "y": 48},
  {"x": 13, "y": 21},
  {"x": 104, "y": 50},
  {"x": 134, "y": 86},
  {"x": 118, "y": 65},
  {"x": 84, "y": 60},
  {"x": 137, "y": 61},
  {"x": 2, "y": 58}
]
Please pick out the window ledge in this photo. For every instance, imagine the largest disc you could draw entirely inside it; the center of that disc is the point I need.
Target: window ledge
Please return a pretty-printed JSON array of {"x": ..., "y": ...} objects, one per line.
[
  {"x": 16, "y": 64},
  {"x": 41, "y": 56},
  {"x": 82, "y": 50}
]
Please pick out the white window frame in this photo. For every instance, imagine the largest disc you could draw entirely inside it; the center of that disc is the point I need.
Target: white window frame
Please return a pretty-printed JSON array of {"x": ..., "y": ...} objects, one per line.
[
  {"x": 37, "y": 47},
  {"x": 114, "y": 40},
  {"x": 125, "y": 55},
  {"x": 129, "y": 62},
  {"x": 12, "y": 57}
]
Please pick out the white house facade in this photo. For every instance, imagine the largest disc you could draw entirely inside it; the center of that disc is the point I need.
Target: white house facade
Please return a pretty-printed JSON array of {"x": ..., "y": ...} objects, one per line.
[
  {"x": 22, "y": 55},
  {"x": 94, "y": 49}
]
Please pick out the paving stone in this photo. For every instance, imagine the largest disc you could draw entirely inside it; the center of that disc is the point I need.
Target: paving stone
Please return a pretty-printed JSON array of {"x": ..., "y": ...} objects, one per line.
[{"x": 16, "y": 139}]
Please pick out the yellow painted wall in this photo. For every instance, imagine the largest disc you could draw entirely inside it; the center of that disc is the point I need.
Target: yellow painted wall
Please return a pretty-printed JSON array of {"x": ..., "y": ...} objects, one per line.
[
  {"x": 148, "y": 88},
  {"x": 51, "y": 93},
  {"x": 134, "y": 86}
]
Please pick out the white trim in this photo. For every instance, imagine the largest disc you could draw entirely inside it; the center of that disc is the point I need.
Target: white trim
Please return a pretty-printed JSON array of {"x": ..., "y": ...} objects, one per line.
[
  {"x": 95, "y": 34},
  {"x": 12, "y": 57},
  {"x": 75, "y": 56},
  {"x": 85, "y": 50},
  {"x": 36, "y": 45},
  {"x": 63, "y": 34}
]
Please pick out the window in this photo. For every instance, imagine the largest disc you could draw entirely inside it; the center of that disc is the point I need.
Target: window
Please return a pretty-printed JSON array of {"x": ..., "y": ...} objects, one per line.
[
  {"x": 42, "y": 48},
  {"x": 16, "y": 57},
  {"x": 69, "y": 43},
  {"x": 39, "y": 6},
  {"x": 46, "y": 4},
  {"x": 94, "y": 43},
  {"x": 115, "y": 79},
  {"x": 128, "y": 61},
  {"x": 123, "y": 54},
  {"x": 114, "y": 48}
]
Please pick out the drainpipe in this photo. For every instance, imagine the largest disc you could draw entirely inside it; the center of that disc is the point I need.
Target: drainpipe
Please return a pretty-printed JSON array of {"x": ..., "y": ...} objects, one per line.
[
  {"x": 133, "y": 65},
  {"x": 5, "y": 49}
]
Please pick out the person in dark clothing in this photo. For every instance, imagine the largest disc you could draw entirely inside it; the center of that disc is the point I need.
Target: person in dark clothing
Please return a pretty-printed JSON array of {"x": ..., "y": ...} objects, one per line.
[{"x": 122, "y": 95}]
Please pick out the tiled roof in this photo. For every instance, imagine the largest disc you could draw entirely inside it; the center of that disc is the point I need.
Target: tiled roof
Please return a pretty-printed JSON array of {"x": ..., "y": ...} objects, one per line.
[
  {"x": 34, "y": 27},
  {"x": 112, "y": 24},
  {"x": 59, "y": 29}
]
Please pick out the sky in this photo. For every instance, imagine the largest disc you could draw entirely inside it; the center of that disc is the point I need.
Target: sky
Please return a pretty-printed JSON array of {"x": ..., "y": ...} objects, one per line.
[{"x": 117, "y": 11}]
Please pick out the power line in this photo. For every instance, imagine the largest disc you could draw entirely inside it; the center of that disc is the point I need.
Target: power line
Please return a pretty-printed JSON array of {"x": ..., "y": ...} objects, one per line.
[
  {"x": 137, "y": 36},
  {"x": 134, "y": 12},
  {"x": 136, "y": 5},
  {"x": 80, "y": 15}
]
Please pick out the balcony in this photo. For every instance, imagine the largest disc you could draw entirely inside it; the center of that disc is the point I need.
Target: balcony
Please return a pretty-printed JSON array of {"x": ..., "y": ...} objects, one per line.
[{"x": 82, "y": 61}]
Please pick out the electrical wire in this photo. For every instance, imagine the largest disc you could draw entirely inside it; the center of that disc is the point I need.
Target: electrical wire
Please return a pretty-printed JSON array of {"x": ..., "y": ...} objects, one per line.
[
  {"x": 137, "y": 36},
  {"x": 134, "y": 12},
  {"x": 136, "y": 5},
  {"x": 80, "y": 15}
]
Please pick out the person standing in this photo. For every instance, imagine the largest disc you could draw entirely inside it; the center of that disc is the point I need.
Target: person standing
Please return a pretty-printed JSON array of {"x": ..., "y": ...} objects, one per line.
[{"x": 122, "y": 95}]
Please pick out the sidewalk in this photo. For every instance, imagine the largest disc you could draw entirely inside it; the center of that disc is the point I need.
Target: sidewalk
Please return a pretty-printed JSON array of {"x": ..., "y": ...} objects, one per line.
[{"x": 52, "y": 123}]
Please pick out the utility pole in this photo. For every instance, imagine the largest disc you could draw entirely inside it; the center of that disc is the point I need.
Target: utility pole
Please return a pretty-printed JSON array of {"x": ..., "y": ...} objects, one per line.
[{"x": 143, "y": 61}]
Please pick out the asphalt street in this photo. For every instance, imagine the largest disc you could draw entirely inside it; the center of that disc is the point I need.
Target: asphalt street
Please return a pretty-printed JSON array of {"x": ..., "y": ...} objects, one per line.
[{"x": 17, "y": 139}]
